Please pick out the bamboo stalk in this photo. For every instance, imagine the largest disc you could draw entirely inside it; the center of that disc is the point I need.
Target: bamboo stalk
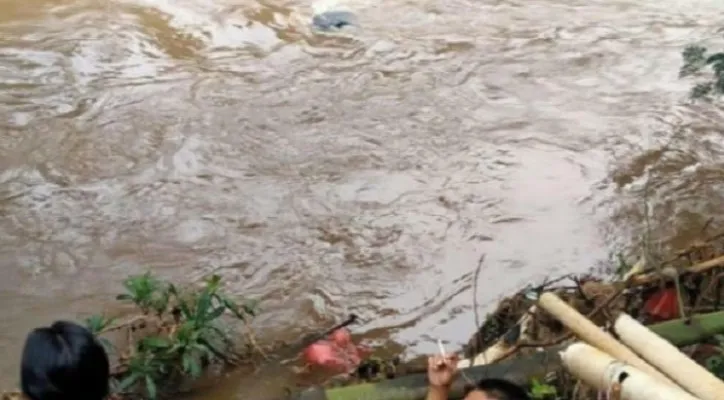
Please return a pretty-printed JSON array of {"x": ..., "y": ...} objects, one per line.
[
  {"x": 592, "y": 334},
  {"x": 696, "y": 268},
  {"x": 602, "y": 372},
  {"x": 670, "y": 360},
  {"x": 685, "y": 332}
]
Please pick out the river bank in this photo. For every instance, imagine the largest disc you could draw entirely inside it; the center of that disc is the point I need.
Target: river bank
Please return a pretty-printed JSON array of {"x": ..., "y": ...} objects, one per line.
[
  {"x": 329, "y": 176},
  {"x": 178, "y": 343}
]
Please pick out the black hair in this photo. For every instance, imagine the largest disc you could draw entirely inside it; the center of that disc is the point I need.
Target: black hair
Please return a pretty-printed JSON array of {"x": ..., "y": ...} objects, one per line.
[
  {"x": 501, "y": 389},
  {"x": 64, "y": 362}
]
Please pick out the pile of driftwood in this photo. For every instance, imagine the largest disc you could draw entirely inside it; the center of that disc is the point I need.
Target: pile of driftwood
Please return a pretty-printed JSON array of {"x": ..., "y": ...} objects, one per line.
[
  {"x": 641, "y": 366},
  {"x": 563, "y": 334}
]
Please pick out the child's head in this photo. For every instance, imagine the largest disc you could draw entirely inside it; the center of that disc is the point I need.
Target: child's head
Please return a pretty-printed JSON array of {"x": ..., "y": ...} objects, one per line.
[
  {"x": 497, "y": 389},
  {"x": 64, "y": 362}
]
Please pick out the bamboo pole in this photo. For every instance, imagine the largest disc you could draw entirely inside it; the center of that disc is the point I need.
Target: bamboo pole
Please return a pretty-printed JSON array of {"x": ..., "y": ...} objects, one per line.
[
  {"x": 696, "y": 268},
  {"x": 592, "y": 334},
  {"x": 681, "y": 332},
  {"x": 685, "y": 332},
  {"x": 667, "y": 358},
  {"x": 602, "y": 372}
]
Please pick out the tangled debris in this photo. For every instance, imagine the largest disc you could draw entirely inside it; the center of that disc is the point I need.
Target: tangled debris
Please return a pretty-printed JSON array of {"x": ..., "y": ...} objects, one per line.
[
  {"x": 178, "y": 335},
  {"x": 686, "y": 285}
]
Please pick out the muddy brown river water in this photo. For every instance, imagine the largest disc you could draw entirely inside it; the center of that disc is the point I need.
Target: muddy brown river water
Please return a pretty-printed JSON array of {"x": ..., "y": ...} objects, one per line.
[{"x": 359, "y": 173}]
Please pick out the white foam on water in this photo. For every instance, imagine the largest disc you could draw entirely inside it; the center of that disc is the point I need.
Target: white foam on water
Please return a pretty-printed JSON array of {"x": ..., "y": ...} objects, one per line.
[{"x": 211, "y": 23}]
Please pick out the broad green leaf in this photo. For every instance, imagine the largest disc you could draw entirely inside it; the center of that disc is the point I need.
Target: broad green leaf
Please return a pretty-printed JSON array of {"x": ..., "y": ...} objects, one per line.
[
  {"x": 718, "y": 57},
  {"x": 216, "y": 313},
  {"x": 217, "y": 330},
  {"x": 233, "y": 308},
  {"x": 186, "y": 362},
  {"x": 191, "y": 365},
  {"x": 206, "y": 349},
  {"x": 203, "y": 305},
  {"x": 156, "y": 342},
  {"x": 195, "y": 369},
  {"x": 127, "y": 382},
  {"x": 151, "y": 387}
]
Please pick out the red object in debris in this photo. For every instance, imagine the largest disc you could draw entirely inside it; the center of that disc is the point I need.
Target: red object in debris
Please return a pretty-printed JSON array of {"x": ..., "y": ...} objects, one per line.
[
  {"x": 341, "y": 337},
  {"x": 663, "y": 305},
  {"x": 338, "y": 353},
  {"x": 324, "y": 354}
]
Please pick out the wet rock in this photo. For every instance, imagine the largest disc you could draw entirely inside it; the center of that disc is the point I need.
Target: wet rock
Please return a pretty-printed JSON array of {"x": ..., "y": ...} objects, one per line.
[{"x": 333, "y": 20}]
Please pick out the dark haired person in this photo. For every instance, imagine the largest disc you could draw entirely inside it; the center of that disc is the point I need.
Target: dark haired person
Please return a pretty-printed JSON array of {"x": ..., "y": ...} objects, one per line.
[
  {"x": 441, "y": 372},
  {"x": 64, "y": 362}
]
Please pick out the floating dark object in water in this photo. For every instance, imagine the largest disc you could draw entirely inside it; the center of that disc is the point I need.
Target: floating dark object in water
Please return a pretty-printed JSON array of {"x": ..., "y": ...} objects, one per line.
[{"x": 332, "y": 20}]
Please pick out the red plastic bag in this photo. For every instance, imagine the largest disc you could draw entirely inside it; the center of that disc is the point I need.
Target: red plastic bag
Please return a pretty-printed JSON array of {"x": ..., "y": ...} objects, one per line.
[{"x": 337, "y": 353}]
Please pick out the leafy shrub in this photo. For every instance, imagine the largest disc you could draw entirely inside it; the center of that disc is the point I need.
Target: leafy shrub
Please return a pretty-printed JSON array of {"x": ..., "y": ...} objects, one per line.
[
  {"x": 190, "y": 335},
  {"x": 697, "y": 60}
]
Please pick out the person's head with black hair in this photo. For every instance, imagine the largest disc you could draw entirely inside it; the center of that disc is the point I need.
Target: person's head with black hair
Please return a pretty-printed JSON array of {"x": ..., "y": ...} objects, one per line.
[
  {"x": 496, "y": 389},
  {"x": 64, "y": 362}
]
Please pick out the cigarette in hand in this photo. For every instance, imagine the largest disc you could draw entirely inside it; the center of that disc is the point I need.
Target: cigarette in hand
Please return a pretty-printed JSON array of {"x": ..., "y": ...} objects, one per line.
[
  {"x": 441, "y": 364},
  {"x": 442, "y": 349}
]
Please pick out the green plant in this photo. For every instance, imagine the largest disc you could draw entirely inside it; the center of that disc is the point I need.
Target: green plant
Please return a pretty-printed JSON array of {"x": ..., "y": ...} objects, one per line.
[
  {"x": 696, "y": 60},
  {"x": 190, "y": 336},
  {"x": 715, "y": 365},
  {"x": 147, "y": 292},
  {"x": 144, "y": 368},
  {"x": 622, "y": 266},
  {"x": 542, "y": 391},
  {"x": 97, "y": 324}
]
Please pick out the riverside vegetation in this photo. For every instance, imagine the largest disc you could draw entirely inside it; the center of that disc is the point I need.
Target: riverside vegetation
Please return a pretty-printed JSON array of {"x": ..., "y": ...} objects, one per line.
[{"x": 177, "y": 334}]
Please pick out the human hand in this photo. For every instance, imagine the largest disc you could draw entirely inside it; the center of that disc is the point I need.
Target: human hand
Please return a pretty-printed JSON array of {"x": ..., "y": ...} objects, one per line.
[{"x": 441, "y": 370}]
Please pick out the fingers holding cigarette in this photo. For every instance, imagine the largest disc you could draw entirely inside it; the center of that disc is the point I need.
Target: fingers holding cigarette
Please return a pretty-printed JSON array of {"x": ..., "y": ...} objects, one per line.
[
  {"x": 441, "y": 368},
  {"x": 442, "y": 360}
]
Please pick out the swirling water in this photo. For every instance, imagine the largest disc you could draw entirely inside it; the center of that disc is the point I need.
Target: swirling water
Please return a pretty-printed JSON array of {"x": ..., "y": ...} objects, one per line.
[{"x": 364, "y": 171}]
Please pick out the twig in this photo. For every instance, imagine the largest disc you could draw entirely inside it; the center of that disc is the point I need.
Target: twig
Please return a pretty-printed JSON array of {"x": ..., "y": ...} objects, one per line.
[
  {"x": 714, "y": 282},
  {"x": 706, "y": 226},
  {"x": 648, "y": 254},
  {"x": 251, "y": 338},
  {"x": 579, "y": 289},
  {"x": 687, "y": 252},
  {"x": 476, "y": 312},
  {"x": 321, "y": 335},
  {"x": 219, "y": 354},
  {"x": 696, "y": 268},
  {"x": 674, "y": 274},
  {"x": 565, "y": 336},
  {"x": 547, "y": 283},
  {"x": 124, "y": 324}
]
